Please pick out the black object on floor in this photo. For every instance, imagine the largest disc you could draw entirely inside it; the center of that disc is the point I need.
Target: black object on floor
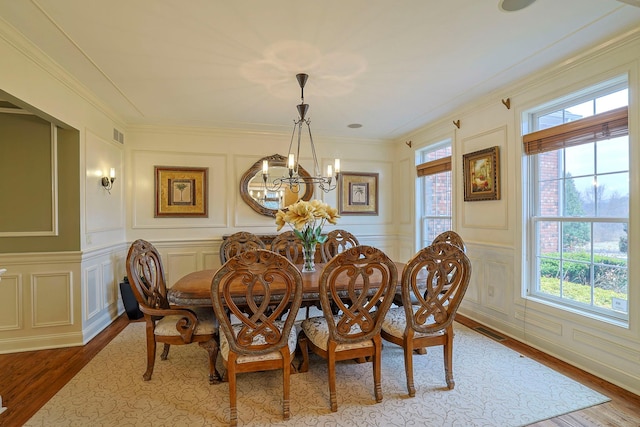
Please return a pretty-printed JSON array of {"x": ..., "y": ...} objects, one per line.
[{"x": 131, "y": 306}]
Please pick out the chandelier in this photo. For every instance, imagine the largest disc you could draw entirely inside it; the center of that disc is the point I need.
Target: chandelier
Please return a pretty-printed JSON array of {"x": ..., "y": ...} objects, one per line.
[{"x": 293, "y": 180}]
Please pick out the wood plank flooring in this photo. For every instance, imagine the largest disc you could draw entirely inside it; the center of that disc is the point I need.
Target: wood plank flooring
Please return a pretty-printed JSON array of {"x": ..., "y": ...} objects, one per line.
[{"x": 29, "y": 379}]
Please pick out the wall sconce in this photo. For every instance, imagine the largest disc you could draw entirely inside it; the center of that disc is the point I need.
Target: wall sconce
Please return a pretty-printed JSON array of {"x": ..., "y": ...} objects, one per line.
[{"x": 107, "y": 181}]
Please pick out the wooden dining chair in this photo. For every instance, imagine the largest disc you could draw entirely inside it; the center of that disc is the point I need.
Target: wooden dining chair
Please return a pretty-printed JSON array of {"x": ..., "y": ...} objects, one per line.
[
  {"x": 452, "y": 238},
  {"x": 255, "y": 289},
  {"x": 338, "y": 241},
  {"x": 237, "y": 243},
  {"x": 164, "y": 323},
  {"x": 289, "y": 245},
  {"x": 436, "y": 278},
  {"x": 353, "y": 333},
  {"x": 448, "y": 236}
]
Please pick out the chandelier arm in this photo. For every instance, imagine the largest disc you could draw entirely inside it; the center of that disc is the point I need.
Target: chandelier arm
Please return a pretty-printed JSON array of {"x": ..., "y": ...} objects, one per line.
[
  {"x": 277, "y": 183},
  {"x": 316, "y": 167},
  {"x": 297, "y": 164}
]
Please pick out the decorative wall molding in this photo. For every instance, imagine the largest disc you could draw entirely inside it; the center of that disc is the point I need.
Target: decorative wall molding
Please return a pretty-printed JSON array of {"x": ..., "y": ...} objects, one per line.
[
  {"x": 51, "y": 299},
  {"x": 11, "y": 301}
]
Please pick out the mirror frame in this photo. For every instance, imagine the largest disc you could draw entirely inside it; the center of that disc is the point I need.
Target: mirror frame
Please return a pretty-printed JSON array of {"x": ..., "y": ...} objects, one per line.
[{"x": 274, "y": 160}]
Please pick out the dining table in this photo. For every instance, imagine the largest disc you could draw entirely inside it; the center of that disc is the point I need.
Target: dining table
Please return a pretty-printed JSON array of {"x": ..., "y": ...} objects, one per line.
[{"x": 194, "y": 289}]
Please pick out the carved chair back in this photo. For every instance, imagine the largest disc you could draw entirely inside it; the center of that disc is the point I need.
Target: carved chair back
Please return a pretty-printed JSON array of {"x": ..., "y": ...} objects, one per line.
[
  {"x": 266, "y": 286},
  {"x": 288, "y": 245},
  {"x": 237, "y": 243},
  {"x": 338, "y": 241},
  {"x": 436, "y": 278},
  {"x": 371, "y": 278},
  {"x": 452, "y": 238},
  {"x": 146, "y": 275}
]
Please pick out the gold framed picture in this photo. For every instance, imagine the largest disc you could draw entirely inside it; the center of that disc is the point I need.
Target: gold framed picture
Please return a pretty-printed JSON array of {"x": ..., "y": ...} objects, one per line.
[
  {"x": 358, "y": 193},
  {"x": 181, "y": 191},
  {"x": 481, "y": 171}
]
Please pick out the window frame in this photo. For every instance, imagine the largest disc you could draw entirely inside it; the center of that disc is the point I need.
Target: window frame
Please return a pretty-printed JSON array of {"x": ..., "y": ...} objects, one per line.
[
  {"x": 424, "y": 170},
  {"x": 531, "y": 287}
]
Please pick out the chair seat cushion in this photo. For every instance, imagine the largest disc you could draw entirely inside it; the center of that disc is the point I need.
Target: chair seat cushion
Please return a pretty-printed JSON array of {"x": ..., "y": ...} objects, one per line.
[
  {"x": 317, "y": 330},
  {"x": 224, "y": 345},
  {"x": 395, "y": 323},
  {"x": 207, "y": 323}
]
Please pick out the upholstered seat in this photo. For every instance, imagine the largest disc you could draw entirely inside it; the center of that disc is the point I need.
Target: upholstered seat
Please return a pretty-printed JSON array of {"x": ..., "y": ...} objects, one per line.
[
  {"x": 317, "y": 331},
  {"x": 395, "y": 323},
  {"x": 207, "y": 323},
  {"x": 250, "y": 358}
]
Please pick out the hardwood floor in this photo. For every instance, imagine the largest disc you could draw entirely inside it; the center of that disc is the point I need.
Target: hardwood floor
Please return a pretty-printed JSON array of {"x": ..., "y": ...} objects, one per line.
[{"x": 29, "y": 379}]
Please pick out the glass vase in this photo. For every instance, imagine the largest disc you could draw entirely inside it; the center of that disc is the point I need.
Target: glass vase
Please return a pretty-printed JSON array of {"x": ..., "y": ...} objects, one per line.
[{"x": 308, "y": 255}]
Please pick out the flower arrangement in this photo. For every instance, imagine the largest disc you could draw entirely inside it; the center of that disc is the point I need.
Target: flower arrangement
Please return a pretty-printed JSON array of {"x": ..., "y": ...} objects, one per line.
[{"x": 307, "y": 219}]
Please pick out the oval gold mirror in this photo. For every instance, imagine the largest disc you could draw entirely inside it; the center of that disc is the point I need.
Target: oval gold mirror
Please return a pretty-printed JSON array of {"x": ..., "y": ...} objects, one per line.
[{"x": 265, "y": 201}]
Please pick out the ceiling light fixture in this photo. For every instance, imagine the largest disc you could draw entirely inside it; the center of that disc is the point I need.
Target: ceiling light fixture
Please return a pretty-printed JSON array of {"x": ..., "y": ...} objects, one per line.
[
  {"x": 514, "y": 5},
  {"x": 293, "y": 181}
]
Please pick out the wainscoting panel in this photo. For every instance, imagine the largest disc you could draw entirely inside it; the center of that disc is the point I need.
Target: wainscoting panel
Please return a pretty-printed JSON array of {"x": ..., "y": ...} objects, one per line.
[
  {"x": 211, "y": 259},
  {"x": 538, "y": 321},
  {"x": 107, "y": 267},
  {"x": 181, "y": 257},
  {"x": 492, "y": 279},
  {"x": 405, "y": 245},
  {"x": 52, "y": 299},
  {"x": 178, "y": 264},
  {"x": 11, "y": 301},
  {"x": 497, "y": 295},
  {"x": 476, "y": 282},
  {"x": 109, "y": 285},
  {"x": 41, "y": 301},
  {"x": 607, "y": 346},
  {"x": 90, "y": 291}
]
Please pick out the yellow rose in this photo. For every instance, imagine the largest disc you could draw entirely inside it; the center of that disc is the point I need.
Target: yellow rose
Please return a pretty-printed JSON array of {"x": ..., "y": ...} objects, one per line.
[
  {"x": 280, "y": 222},
  {"x": 304, "y": 215}
]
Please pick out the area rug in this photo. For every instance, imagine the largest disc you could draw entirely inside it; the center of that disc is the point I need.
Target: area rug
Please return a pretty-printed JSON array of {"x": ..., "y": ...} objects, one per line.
[{"x": 495, "y": 386}]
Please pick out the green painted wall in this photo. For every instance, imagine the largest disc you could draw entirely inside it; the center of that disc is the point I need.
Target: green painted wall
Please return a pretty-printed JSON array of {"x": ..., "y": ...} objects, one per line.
[{"x": 25, "y": 185}]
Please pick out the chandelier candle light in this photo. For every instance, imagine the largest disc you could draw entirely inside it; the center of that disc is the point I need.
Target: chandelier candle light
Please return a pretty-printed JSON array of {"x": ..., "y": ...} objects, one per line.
[
  {"x": 307, "y": 219},
  {"x": 294, "y": 180}
]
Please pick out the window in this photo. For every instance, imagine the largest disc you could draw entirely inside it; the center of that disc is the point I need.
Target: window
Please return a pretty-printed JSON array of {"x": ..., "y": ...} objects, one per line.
[
  {"x": 434, "y": 191},
  {"x": 578, "y": 165}
]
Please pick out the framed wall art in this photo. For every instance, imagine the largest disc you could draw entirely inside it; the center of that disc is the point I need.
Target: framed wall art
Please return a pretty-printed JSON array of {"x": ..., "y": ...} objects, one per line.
[
  {"x": 358, "y": 193},
  {"x": 181, "y": 191},
  {"x": 481, "y": 171}
]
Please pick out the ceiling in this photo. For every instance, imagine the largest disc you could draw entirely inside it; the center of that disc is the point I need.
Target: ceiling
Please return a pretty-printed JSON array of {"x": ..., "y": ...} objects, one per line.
[{"x": 390, "y": 66}]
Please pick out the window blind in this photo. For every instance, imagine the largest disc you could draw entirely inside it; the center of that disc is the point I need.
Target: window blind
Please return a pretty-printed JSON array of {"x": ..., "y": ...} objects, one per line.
[
  {"x": 607, "y": 125},
  {"x": 434, "y": 166}
]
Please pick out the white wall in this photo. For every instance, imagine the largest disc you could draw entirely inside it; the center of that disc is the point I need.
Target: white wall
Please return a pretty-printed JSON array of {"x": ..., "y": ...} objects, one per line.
[
  {"x": 493, "y": 230},
  {"x": 61, "y": 299},
  {"x": 192, "y": 243}
]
